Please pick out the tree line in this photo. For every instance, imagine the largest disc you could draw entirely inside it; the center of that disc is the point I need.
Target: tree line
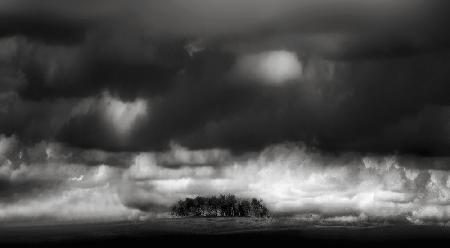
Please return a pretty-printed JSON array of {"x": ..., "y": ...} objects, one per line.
[{"x": 222, "y": 205}]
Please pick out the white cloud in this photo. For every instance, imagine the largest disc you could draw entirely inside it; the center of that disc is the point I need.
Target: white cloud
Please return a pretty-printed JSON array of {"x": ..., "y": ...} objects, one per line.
[
  {"x": 85, "y": 204},
  {"x": 271, "y": 67},
  {"x": 288, "y": 178}
]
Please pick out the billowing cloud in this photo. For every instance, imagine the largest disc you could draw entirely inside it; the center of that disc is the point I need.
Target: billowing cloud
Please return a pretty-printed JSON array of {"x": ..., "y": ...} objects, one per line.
[
  {"x": 291, "y": 179},
  {"x": 80, "y": 204}
]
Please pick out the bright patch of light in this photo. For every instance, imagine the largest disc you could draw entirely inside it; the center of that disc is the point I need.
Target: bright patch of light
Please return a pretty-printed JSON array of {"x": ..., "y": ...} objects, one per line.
[
  {"x": 123, "y": 114},
  {"x": 120, "y": 114},
  {"x": 273, "y": 67}
]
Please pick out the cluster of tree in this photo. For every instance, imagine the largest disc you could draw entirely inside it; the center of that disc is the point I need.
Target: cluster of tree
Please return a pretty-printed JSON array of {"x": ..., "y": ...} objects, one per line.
[{"x": 222, "y": 205}]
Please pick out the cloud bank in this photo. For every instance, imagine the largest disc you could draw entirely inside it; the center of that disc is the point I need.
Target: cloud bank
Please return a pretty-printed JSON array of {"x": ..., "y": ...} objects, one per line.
[{"x": 291, "y": 179}]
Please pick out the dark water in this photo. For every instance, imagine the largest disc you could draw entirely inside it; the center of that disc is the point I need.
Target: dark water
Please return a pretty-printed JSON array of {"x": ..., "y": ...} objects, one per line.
[{"x": 219, "y": 232}]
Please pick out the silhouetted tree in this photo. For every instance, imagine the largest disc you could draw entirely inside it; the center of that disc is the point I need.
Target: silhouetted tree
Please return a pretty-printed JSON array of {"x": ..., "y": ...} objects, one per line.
[
  {"x": 258, "y": 209},
  {"x": 223, "y": 205},
  {"x": 213, "y": 204},
  {"x": 244, "y": 208}
]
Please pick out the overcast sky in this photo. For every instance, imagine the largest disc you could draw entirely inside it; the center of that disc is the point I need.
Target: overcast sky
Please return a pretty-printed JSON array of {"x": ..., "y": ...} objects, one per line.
[{"x": 131, "y": 105}]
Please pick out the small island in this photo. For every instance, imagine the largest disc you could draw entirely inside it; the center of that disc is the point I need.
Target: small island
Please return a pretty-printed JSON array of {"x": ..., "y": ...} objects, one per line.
[{"x": 220, "y": 206}]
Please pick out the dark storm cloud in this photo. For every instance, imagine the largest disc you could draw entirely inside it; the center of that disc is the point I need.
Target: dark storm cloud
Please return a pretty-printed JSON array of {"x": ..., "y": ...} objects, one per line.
[
  {"x": 43, "y": 28},
  {"x": 357, "y": 109},
  {"x": 140, "y": 75},
  {"x": 126, "y": 68}
]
